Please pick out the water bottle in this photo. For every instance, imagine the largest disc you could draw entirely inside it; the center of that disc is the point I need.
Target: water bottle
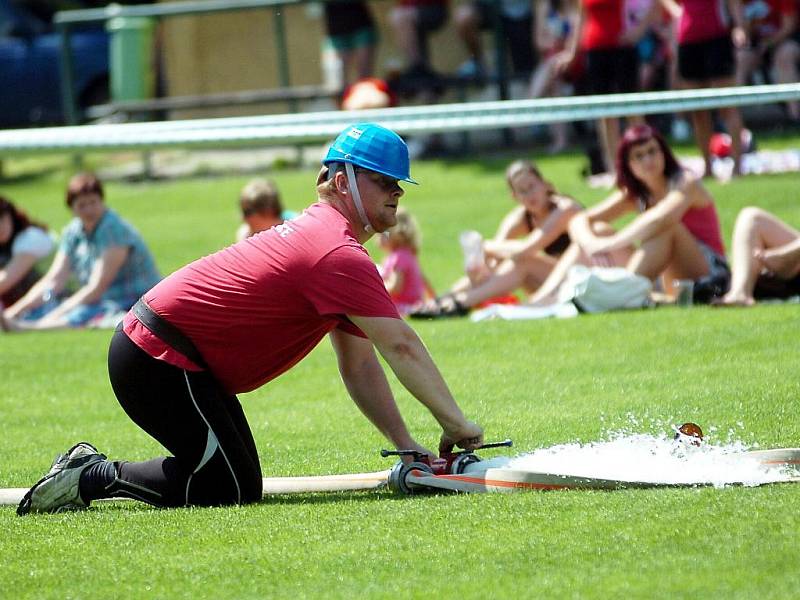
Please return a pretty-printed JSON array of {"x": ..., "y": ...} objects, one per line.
[{"x": 472, "y": 247}]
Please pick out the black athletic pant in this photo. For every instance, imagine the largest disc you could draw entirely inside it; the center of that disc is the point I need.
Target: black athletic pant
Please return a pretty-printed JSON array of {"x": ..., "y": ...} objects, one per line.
[{"x": 214, "y": 455}]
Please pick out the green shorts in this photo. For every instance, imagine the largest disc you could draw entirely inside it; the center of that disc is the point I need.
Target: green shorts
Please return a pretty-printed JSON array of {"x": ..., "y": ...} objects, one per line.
[{"x": 360, "y": 38}]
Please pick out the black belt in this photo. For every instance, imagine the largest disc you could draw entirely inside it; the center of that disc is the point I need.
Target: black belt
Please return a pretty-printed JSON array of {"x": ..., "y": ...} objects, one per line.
[{"x": 167, "y": 332}]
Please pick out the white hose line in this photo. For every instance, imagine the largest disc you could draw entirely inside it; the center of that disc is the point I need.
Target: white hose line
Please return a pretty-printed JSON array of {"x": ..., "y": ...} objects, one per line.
[
  {"x": 272, "y": 485},
  {"x": 480, "y": 477}
]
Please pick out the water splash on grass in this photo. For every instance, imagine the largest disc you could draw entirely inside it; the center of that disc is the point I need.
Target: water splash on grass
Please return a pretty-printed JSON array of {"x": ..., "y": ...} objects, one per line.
[{"x": 652, "y": 459}]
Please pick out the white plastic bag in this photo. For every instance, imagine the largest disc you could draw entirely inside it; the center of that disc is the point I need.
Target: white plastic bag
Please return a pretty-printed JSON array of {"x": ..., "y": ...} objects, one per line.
[{"x": 598, "y": 289}]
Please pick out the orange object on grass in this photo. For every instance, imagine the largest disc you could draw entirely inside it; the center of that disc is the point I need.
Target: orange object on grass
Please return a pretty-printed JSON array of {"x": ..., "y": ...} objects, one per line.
[{"x": 508, "y": 299}]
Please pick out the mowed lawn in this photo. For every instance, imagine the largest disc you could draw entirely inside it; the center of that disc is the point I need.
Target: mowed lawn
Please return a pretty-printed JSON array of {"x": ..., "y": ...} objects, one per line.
[{"x": 539, "y": 382}]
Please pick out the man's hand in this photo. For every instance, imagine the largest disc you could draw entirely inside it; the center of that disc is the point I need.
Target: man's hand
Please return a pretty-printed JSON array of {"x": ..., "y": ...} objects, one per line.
[
  {"x": 468, "y": 436},
  {"x": 419, "y": 448}
]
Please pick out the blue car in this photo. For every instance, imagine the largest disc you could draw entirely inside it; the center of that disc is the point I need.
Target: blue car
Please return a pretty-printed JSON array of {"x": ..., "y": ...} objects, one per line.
[{"x": 30, "y": 68}]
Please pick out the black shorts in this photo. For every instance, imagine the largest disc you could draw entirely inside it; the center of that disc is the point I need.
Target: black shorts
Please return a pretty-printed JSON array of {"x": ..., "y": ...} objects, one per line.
[
  {"x": 612, "y": 70},
  {"x": 770, "y": 286},
  {"x": 343, "y": 18},
  {"x": 431, "y": 17},
  {"x": 517, "y": 34},
  {"x": 710, "y": 59}
]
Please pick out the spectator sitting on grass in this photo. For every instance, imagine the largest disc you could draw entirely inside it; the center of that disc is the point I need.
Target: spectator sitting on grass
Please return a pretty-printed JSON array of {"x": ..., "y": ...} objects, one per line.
[
  {"x": 766, "y": 259},
  {"x": 675, "y": 235},
  {"x": 524, "y": 251},
  {"x": 104, "y": 253},
  {"x": 400, "y": 270},
  {"x": 23, "y": 243},
  {"x": 261, "y": 208}
]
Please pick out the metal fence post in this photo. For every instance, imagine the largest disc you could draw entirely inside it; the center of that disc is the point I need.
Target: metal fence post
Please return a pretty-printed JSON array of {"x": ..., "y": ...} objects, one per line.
[
  {"x": 501, "y": 70},
  {"x": 283, "y": 52},
  {"x": 69, "y": 103}
]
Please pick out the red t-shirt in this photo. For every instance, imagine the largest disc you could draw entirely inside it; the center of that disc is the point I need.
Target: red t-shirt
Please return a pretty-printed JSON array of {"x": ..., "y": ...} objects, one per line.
[
  {"x": 256, "y": 308},
  {"x": 603, "y": 25},
  {"x": 703, "y": 20}
]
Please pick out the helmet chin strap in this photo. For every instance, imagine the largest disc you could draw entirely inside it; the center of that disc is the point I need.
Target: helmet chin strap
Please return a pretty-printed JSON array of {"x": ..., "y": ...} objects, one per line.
[{"x": 351, "y": 180}]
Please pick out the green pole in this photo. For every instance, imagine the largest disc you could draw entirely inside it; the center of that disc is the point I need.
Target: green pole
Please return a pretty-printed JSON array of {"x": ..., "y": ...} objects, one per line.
[
  {"x": 69, "y": 103},
  {"x": 283, "y": 52},
  {"x": 500, "y": 64}
]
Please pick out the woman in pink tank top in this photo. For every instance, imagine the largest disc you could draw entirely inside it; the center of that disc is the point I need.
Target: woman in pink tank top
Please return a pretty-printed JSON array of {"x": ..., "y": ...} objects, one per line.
[{"x": 675, "y": 235}]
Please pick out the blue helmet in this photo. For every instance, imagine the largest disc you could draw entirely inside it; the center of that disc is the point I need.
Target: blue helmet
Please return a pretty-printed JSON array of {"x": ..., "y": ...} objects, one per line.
[{"x": 372, "y": 147}]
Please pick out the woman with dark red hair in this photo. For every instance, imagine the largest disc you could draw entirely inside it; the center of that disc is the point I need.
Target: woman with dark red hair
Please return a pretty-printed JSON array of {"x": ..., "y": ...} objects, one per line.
[
  {"x": 22, "y": 244},
  {"x": 675, "y": 235}
]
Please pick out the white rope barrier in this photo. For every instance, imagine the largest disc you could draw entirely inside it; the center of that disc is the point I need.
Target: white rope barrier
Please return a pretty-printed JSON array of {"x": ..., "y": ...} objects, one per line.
[{"x": 322, "y": 126}]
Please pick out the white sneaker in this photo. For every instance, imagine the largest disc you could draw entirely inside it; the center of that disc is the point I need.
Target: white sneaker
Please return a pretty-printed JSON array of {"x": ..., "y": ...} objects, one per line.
[{"x": 58, "y": 490}]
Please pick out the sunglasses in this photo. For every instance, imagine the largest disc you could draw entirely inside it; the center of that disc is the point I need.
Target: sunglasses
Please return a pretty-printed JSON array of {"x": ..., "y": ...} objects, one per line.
[{"x": 386, "y": 183}]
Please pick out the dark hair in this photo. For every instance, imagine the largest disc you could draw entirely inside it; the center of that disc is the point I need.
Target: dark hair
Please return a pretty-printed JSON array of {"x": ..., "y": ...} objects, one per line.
[
  {"x": 83, "y": 183},
  {"x": 634, "y": 136},
  {"x": 19, "y": 220}
]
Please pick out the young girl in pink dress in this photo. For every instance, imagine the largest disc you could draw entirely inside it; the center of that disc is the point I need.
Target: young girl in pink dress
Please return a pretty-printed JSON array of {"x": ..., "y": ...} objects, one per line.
[{"x": 400, "y": 270}]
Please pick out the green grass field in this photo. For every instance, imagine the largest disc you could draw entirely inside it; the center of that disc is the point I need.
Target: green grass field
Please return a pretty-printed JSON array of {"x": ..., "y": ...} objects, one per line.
[{"x": 538, "y": 382}]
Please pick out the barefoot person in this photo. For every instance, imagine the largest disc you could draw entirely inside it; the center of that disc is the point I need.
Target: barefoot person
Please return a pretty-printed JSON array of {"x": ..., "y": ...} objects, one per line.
[
  {"x": 675, "y": 234},
  {"x": 234, "y": 320},
  {"x": 766, "y": 258}
]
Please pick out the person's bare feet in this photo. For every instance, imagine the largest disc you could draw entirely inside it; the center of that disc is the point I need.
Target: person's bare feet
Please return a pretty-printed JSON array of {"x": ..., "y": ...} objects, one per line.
[{"x": 731, "y": 299}]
